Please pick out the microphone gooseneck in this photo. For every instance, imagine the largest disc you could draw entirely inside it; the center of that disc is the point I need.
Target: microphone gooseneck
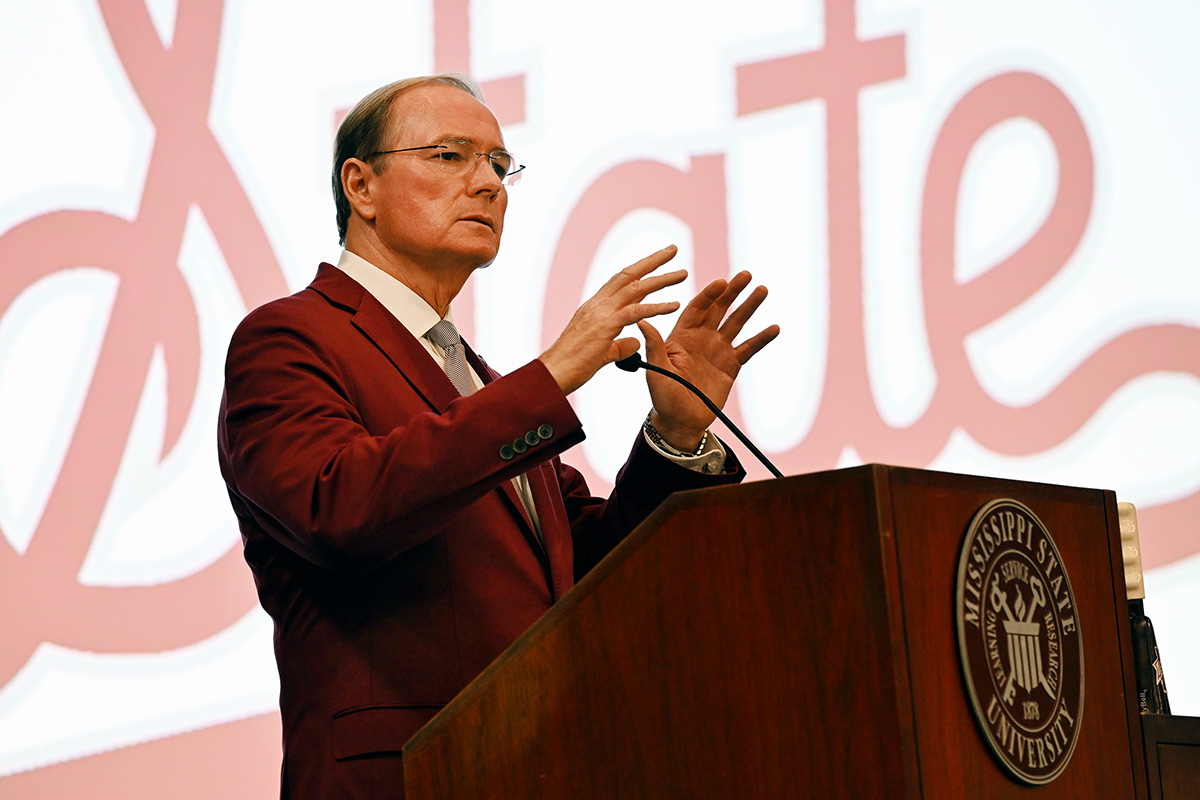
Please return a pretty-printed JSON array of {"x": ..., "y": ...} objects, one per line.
[{"x": 633, "y": 362}]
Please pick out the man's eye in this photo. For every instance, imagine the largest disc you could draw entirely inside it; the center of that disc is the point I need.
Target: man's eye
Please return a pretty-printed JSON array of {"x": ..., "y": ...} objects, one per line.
[
  {"x": 499, "y": 169},
  {"x": 448, "y": 155}
]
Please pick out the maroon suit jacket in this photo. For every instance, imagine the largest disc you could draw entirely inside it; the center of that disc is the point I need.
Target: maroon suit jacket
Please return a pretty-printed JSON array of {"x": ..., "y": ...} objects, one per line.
[{"x": 384, "y": 534}]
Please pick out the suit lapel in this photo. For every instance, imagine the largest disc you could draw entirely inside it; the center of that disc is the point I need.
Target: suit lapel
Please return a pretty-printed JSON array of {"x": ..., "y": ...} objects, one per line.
[
  {"x": 385, "y": 332},
  {"x": 410, "y": 358},
  {"x": 429, "y": 381}
]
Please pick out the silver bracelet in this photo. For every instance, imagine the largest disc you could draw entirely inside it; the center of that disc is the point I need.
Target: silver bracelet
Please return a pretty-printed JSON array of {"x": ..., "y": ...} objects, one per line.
[{"x": 656, "y": 437}]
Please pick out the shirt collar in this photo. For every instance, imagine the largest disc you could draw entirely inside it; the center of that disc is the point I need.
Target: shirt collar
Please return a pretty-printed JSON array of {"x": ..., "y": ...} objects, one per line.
[{"x": 403, "y": 303}]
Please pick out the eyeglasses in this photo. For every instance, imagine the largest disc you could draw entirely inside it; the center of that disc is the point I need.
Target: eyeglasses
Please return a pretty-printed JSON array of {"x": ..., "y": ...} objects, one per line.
[{"x": 457, "y": 156}]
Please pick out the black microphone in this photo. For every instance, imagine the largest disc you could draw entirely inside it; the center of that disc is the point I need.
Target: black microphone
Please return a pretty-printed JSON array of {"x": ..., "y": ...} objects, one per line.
[{"x": 634, "y": 361}]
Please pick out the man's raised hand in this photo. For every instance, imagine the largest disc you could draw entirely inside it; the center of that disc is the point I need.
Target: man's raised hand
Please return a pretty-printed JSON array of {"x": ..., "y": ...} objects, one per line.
[
  {"x": 590, "y": 339},
  {"x": 700, "y": 348}
]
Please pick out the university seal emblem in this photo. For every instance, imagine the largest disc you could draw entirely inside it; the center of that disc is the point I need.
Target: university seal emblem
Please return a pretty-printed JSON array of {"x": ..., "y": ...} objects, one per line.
[{"x": 1019, "y": 641}]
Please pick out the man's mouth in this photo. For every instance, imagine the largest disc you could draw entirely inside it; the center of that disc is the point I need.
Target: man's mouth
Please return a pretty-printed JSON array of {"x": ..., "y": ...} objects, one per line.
[{"x": 481, "y": 220}]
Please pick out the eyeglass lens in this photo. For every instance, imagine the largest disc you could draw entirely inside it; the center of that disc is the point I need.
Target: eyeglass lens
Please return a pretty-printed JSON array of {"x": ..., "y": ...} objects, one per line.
[{"x": 459, "y": 154}]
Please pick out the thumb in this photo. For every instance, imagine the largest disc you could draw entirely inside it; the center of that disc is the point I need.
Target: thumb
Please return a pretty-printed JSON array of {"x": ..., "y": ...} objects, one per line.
[
  {"x": 622, "y": 348},
  {"x": 656, "y": 348}
]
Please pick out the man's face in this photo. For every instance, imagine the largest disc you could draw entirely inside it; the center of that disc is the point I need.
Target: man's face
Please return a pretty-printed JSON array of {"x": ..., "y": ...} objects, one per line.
[{"x": 426, "y": 217}]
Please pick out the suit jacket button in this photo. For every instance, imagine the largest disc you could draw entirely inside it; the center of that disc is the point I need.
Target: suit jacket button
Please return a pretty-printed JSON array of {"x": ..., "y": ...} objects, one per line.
[
  {"x": 519, "y": 446},
  {"x": 532, "y": 439},
  {"x": 507, "y": 452},
  {"x": 544, "y": 432}
]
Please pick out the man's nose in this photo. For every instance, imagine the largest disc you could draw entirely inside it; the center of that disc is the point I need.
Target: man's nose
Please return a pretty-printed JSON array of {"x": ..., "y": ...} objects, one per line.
[{"x": 485, "y": 178}]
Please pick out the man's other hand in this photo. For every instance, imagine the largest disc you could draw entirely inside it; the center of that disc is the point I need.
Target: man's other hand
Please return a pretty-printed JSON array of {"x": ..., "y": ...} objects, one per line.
[{"x": 700, "y": 348}]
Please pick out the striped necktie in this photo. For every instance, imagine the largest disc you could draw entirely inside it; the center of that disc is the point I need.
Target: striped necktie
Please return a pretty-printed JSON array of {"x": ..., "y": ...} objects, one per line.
[{"x": 445, "y": 336}]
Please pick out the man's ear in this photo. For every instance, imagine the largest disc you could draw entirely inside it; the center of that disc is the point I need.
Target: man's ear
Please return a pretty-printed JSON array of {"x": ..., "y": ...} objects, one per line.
[{"x": 357, "y": 177}]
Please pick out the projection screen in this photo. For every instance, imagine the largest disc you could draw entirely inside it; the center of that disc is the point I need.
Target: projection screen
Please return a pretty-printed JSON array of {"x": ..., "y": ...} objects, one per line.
[{"x": 975, "y": 220}]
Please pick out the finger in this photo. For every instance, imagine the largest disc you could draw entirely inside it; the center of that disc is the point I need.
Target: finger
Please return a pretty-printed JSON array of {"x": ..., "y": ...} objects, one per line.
[
  {"x": 749, "y": 348},
  {"x": 639, "y": 269},
  {"x": 741, "y": 315},
  {"x": 622, "y": 348},
  {"x": 736, "y": 284},
  {"x": 711, "y": 305},
  {"x": 638, "y": 289},
  {"x": 696, "y": 313},
  {"x": 641, "y": 311},
  {"x": 720, "y": 306},
  {"x": 656, "y": 348}
]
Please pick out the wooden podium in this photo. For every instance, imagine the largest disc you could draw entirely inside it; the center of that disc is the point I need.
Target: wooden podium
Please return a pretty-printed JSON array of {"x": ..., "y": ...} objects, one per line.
[{"x": 785, "y": 639}]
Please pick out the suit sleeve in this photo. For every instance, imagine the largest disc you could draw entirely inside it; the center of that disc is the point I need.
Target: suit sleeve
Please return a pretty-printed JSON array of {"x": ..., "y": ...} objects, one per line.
[{"x": 318, "y": 454}]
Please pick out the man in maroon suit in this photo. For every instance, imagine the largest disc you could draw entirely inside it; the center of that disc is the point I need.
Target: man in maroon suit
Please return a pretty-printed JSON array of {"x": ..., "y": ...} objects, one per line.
[{"x": 403, "y": 507}]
